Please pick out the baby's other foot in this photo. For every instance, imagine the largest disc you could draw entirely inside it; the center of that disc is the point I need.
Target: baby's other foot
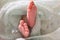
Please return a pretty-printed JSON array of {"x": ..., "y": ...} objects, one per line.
[
  {"x": 23, "y": 28},
  {"x": 31, "y": 14}
]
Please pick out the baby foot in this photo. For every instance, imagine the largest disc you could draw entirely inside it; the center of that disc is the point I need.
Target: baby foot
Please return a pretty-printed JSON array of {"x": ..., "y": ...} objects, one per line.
[
  {"x": 31, "y": 14},
  {"x": 23, "y": 28}
]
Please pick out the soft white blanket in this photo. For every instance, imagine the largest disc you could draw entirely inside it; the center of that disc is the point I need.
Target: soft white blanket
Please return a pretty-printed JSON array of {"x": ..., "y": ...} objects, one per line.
[{"x": 10, "y": 15}]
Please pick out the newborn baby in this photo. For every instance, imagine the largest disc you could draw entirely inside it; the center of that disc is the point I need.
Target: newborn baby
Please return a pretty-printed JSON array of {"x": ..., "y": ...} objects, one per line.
[
  {"x": 15, "y": 19},
  {"x": 27, "y": 22}
]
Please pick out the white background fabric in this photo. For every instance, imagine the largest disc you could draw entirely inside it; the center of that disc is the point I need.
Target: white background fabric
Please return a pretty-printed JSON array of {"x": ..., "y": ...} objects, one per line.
[{"x": 47, "y": 7}]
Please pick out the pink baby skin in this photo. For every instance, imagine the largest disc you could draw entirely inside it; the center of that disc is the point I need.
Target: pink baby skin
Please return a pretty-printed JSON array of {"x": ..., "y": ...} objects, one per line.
[{"x": 30, "y": 18}]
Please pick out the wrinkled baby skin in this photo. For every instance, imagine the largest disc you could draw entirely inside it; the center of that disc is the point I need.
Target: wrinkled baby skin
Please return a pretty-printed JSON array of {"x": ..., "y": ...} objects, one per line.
[
  {"x": 28, "y": 20},
  {"x": 31, "y": 14}
]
